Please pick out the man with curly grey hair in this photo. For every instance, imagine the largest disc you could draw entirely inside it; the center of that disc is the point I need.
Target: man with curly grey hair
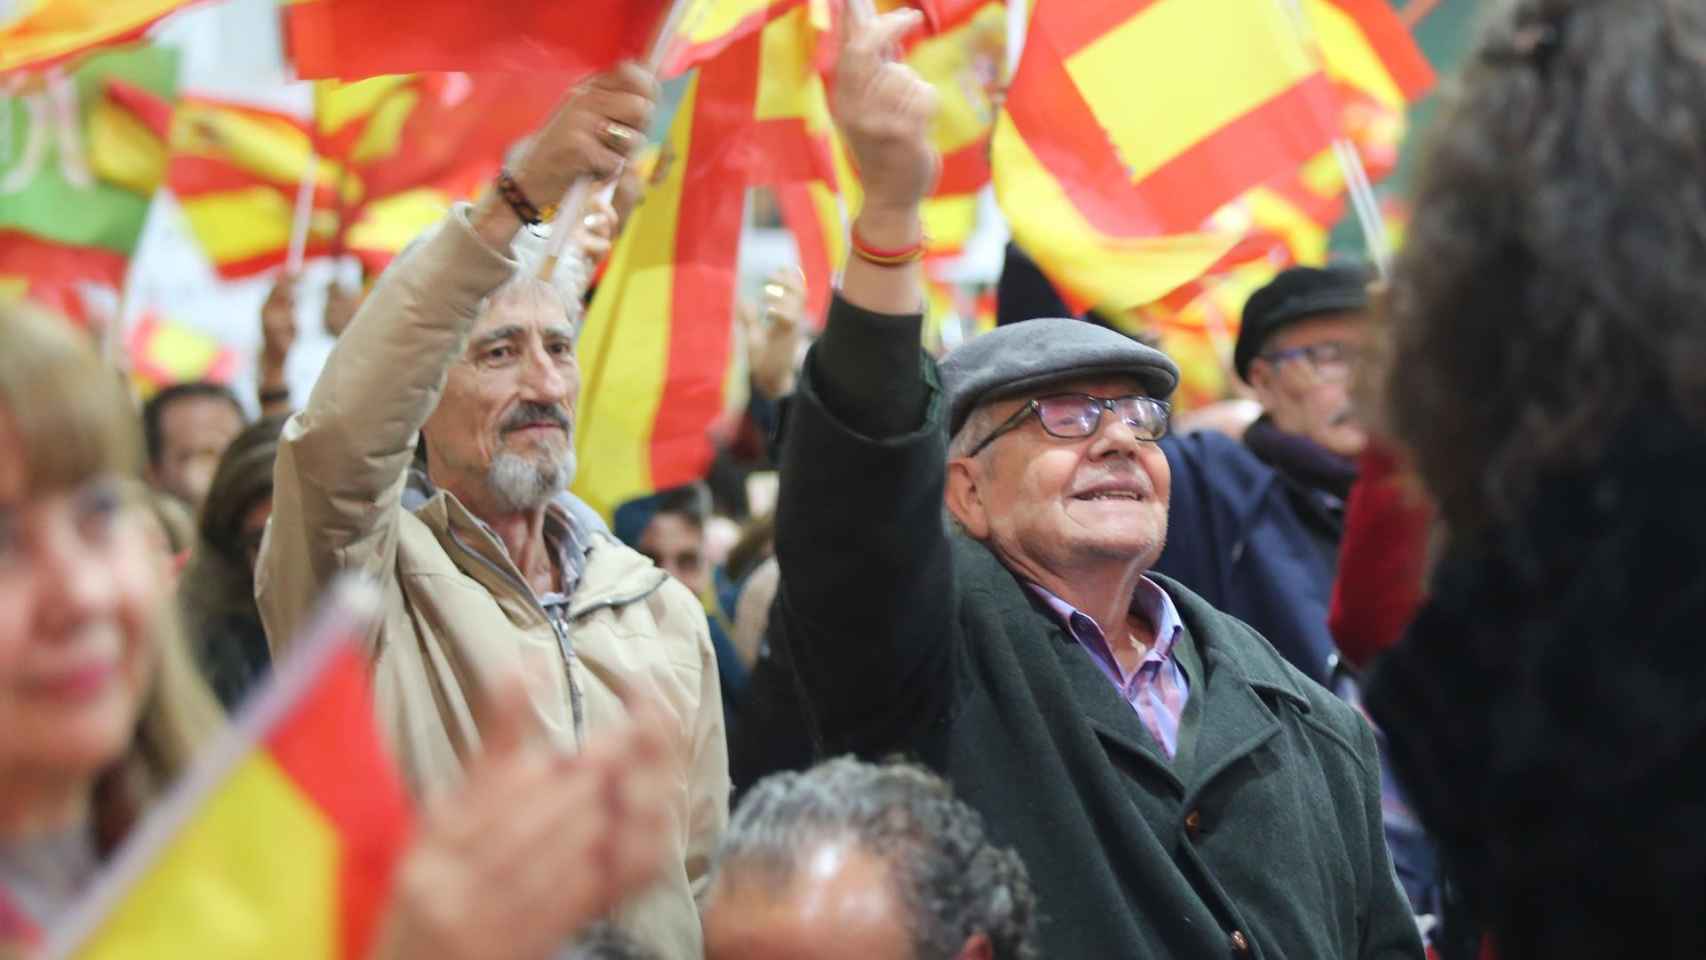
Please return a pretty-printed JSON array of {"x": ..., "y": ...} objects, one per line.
[{"x": 859, "y": 861}]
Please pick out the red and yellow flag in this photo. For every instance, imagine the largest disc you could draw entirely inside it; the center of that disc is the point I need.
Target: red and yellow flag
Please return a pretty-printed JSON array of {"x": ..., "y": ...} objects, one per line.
[
  {"x": 283, "y": 839},
  {"x": 1377, "y": 70},
  {"x": 964, "y": 62},
  {"x": 656, "y": 348},
  {"x": 236, "y": 171},
  {"x": 163, "y": 352},
  {"x": 793, "y": 148},
  {"x": 712, "y": 26},
  {"x": 1109, "y": 191},
  {"x": 400, "y": 132},
  {"x": 813, "y": 213},
  {"x": 416, "y": 143},
  {"x": 43, "y": 32},
  {"x": 1366, "y": 45},
  {"x": 350, "y": 39}
]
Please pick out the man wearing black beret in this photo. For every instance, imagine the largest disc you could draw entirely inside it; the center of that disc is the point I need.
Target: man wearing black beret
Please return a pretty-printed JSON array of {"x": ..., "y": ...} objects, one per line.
[
  {"x": 1175, "y": 788},
  {"x": 1256, "y": 525}
]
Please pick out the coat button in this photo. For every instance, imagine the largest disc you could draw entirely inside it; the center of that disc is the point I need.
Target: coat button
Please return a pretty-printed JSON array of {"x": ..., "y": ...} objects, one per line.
[
  {"x": 1240, "y": 943},
  {"x": 1193, "y": 824}
]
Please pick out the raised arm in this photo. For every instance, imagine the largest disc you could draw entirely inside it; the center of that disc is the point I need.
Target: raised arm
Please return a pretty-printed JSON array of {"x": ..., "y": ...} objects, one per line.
[
  {"x": 866, "y": 605},
  {"x": 343, "y": 460}
]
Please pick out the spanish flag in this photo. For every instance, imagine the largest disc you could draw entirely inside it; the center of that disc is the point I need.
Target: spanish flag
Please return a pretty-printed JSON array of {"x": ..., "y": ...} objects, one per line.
[
  {"x": 656, "y": 349},
  {"x": 282, "y": 840},
  {"x": 1377, "y": 71},
  {"x": 400, "y": 132},
  {"x": 163, "y": 352},
  {"x": 236, "y": 171},
  {"x": 813, "y": 213},
  {"x": 944, "y": 15},
  {"x": 1111, "y": 192},
  {"x": 417, "y": 143},
  {"x": 712, "y": 26},
  {"x": 1366, "y": 46},
  {"x": 965, "y": 63},
  {"x": 798, "y": 153},
  {"x": 350, "y": 39},
  {"x": 43, "y": 32}
]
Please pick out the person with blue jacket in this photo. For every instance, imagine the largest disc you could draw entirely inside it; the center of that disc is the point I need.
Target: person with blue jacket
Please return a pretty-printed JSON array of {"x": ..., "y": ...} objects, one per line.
[{"x": 1255, "y": 525}]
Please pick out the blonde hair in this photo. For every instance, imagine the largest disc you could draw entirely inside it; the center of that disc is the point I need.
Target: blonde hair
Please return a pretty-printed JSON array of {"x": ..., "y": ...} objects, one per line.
[{"x": 75, "y": 423}]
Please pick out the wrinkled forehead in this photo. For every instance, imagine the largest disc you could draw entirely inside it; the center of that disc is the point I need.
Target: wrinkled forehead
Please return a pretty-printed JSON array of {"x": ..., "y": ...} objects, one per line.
[
  {"x": 1345, "y": 326},
  {"x": 1101, "y": 385},
  {"x": 529, "y": 304}
]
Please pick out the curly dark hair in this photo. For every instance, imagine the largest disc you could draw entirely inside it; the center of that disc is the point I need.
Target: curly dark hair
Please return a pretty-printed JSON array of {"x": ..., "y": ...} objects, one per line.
[
  {"x": 957, "y": 883},
  {"x": 1553, "y": 281}
]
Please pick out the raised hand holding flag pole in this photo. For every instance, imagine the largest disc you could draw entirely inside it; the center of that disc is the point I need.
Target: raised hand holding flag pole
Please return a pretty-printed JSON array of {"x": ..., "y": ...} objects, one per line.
[{"x": 580, "y": 198}]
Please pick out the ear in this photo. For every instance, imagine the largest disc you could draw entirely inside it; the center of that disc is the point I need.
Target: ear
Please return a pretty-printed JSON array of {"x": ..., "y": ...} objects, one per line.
[
  {"x": 1264, "y": 381},
  {"x": 977, "y": 947},
  {"x": 963, "y": 498}
]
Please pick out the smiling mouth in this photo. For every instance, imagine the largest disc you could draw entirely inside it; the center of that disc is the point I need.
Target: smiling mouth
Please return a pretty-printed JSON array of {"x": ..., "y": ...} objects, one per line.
[{"x": 1110, "y": 495}]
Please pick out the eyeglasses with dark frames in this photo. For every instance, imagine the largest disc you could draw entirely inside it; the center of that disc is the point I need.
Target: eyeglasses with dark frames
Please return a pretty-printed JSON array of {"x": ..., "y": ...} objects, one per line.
[
  {"x": 1074, "y": 416},
  {"x": 1331, "y": 361}
]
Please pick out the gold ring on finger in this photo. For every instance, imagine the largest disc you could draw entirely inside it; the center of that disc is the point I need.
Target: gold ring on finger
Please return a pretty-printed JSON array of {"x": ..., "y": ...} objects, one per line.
[{"x": 617, "y": 137}]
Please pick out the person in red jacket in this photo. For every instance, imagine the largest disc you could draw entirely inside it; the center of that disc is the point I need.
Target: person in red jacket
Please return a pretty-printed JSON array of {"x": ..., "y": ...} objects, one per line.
[{"x": 1383, "y": 557}]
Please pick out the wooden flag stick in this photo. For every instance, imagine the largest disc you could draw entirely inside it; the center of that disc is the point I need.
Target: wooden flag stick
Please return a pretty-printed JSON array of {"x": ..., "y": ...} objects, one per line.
[{"x": 575, "y": 203}]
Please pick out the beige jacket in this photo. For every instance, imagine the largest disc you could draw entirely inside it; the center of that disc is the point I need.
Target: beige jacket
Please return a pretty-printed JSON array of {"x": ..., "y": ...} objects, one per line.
[{"x": 457, "y": 611}]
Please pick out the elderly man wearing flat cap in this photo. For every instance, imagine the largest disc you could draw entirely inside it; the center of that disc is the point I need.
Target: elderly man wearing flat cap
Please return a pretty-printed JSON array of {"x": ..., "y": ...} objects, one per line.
[{"x": 1174, "y": 786}]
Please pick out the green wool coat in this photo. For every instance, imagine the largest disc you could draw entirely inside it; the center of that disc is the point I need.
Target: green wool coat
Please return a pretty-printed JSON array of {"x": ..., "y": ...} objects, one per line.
[{"x": 1264, "y": 838}]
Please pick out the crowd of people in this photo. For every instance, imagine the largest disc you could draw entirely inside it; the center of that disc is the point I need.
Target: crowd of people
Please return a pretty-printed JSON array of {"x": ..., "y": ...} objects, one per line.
[{"x": 1395, "y": 659}]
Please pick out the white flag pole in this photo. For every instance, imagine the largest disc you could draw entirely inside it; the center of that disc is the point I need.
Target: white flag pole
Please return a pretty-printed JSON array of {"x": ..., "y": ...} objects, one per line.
[
  {"x": 302, "y": 218},
  {"x": 1017, "y": 20},
  {"x": 1357, "y": 183}
]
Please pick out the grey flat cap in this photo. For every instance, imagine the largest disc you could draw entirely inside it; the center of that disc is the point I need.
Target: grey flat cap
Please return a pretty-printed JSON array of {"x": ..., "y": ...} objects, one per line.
[{"x": 1019, "y": 357}]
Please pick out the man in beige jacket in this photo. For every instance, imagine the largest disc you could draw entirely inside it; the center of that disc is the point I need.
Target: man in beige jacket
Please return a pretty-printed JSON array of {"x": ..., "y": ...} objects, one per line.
[{"x": 491, "y": 577}]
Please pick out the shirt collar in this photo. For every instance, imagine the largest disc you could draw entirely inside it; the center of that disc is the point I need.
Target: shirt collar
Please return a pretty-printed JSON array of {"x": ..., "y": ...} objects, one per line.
[
  {"x": 563, "y": 535},
  {"x": 1148, "y": 601}
]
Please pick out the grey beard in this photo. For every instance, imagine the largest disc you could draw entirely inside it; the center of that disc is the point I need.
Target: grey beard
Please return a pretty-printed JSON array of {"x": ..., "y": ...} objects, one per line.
[{"x": 520, "y": 483}]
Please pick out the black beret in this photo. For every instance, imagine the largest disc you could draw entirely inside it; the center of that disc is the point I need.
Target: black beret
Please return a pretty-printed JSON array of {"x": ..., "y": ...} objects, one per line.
[{"x": 1296, "y": 294}]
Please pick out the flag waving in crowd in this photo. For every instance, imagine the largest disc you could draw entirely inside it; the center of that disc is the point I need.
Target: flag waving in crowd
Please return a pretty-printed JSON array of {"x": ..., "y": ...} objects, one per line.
[
  {"x": 306, "y": 761},
  {"x": 735, "y": 383},
  {"x": 86, "y": 151}
]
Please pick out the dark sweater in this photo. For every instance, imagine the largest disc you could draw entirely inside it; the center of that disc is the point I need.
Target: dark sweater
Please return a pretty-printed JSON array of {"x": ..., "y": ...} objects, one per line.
[{"x": 1547, "y": 709}]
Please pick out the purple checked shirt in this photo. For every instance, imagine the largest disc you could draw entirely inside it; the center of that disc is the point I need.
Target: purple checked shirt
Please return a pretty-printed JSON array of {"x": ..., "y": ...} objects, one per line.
[{"x": 1158, "y": 689}]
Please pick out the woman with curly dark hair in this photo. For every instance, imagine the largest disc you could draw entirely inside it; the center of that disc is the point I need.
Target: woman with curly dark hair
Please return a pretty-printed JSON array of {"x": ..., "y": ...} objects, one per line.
[{"x": 1547, "y": 325}]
